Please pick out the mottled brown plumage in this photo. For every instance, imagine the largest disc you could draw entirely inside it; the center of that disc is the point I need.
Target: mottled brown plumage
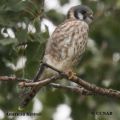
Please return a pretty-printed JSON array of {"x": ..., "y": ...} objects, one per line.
[{"x": 66, "y": 44}]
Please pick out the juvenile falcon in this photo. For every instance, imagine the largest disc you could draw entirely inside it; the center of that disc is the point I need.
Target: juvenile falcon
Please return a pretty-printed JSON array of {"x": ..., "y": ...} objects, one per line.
[{"x": 65, "y": 46}]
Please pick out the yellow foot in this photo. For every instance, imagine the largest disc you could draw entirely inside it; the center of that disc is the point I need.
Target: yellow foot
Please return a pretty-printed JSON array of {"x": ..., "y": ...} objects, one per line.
[{"x": 70, "y": 74}]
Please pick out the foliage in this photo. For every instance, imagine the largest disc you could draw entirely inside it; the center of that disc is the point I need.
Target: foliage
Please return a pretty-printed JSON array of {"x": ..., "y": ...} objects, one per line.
[{"x": 100, "y": 64}]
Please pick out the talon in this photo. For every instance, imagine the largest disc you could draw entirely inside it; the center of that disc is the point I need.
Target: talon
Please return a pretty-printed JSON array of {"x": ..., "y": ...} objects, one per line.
[{"x": 70, "y": 74}]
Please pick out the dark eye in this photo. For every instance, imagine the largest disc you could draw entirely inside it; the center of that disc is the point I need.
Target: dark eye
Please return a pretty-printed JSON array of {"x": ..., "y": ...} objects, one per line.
[{"x": 83, "y": 12}]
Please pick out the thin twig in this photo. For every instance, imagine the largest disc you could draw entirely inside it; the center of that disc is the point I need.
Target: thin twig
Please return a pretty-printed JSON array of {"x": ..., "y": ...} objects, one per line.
[
  {"x": 40, "y": 82},
  {"x": 53, "y": 68},
  {"x": 76, "y": 89},
  {"x": 6, "y": 78}
]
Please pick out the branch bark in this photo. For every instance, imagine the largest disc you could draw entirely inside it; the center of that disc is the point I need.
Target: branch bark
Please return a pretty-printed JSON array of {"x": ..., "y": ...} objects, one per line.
[
  {"x": 96, "y": 89},
  {"x": 40, "y": 82},
  {"x": 76, "y": 89},
  {"x": 6, "y": 78},
  {"x": 84, "y": 86}
]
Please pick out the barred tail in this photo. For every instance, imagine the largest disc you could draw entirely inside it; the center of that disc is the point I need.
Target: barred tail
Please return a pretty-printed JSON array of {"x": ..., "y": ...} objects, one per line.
[
  {"x": 25, "y": 101},
  {"x": 29, "y": 96}
]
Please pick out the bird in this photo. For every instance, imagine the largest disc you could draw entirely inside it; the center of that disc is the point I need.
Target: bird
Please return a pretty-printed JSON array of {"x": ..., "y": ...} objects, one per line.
[{"x": 65, "y": 46}]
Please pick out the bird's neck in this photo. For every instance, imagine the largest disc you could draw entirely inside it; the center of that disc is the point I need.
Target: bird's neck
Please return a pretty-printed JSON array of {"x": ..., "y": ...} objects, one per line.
[{"x": 70, "y": 15}]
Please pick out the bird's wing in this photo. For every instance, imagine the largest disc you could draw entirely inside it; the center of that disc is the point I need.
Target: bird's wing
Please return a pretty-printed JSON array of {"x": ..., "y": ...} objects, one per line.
[{"x": 65, "y": 41}]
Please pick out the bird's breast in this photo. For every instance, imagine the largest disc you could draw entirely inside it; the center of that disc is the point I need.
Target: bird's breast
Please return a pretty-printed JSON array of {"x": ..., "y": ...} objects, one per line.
[{"x": 67, "y": 44}]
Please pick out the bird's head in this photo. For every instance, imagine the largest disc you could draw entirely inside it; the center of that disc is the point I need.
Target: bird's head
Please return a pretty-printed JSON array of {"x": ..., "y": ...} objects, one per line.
[{"x": 81, "y": 12}]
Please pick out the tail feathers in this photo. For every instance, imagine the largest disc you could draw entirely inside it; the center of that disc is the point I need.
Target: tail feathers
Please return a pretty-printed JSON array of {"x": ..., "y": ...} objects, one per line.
[
  {"x": 26, "y": 99},
  {"x": 29, "y": 96}
]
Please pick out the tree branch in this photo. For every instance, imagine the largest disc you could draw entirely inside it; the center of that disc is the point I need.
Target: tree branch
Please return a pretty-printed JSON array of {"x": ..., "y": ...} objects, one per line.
[
  {"x": 87, "y": 87},
  {"x": 40, "y": 82},
  {"x": 96, "y": 89},
  {"x": 6, "y": 78},
  {"x": 76, "y": 89}
]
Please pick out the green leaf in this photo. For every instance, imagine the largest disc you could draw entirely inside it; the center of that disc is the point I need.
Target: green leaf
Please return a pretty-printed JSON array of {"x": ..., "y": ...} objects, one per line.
[
  {"x": 62, "y": 2},
  {"x": 30, "y": 69},
  {"x": 35, "y": 51},
  {"x": 21, "y": 35},
  {"x": 8, "y": 41}
]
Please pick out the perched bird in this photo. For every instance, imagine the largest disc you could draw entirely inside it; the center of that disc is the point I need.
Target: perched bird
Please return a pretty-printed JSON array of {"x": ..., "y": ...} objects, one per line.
[{"x": 65, "y": 46}]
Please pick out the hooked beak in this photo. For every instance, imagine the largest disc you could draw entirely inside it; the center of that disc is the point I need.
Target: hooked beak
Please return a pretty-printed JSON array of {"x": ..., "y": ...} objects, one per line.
[{"x": 91, "y": 17}]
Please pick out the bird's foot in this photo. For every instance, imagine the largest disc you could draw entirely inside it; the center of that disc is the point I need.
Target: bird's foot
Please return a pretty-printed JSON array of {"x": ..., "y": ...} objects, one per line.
[{"x": 71, "y": 75}]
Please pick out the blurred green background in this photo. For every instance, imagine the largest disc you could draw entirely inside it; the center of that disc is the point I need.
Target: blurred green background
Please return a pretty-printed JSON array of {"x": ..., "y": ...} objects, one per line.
[{"x": 22, "y": 43}]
